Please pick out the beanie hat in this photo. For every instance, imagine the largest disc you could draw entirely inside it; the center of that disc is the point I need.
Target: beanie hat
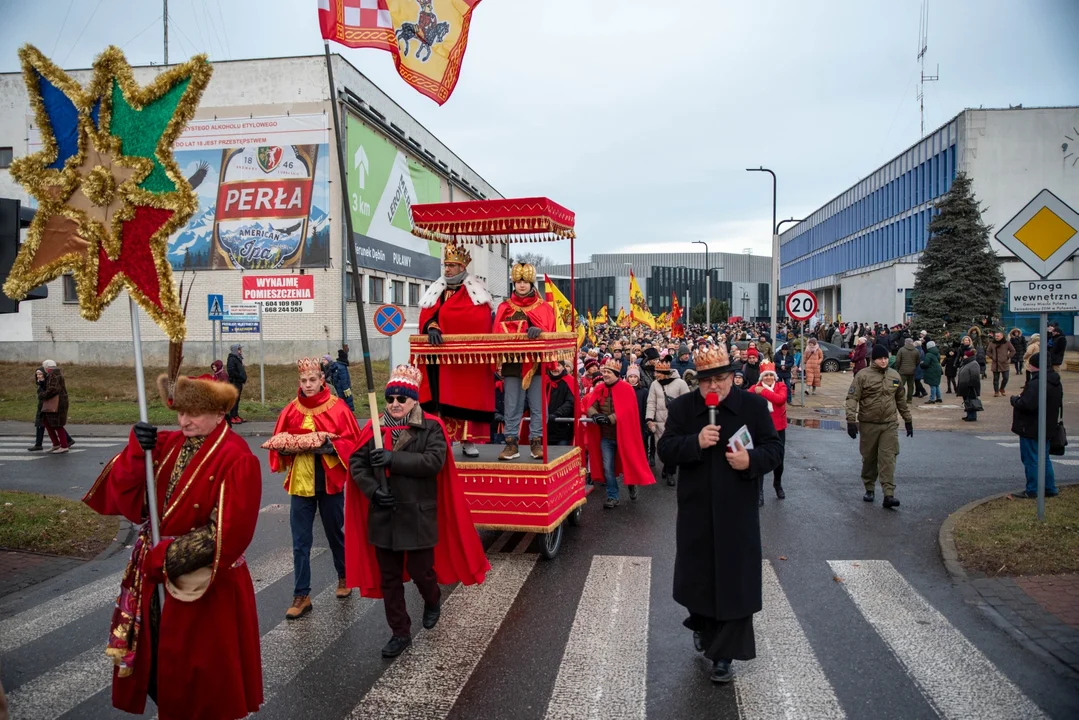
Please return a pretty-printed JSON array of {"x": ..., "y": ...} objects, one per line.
[
  {"x": 633, "y": 371},
  {"x": 683, "y": 349},
  {"x": 1035, "y": 360},
  {"x": 590, "y": 363},
  {"x": 879, "y": 351},
  {"x": 404, "y": 380},
  {"x": 752, "y": 353},
  {"x": 930, "y": 344},
  {"x": 970, "y": 353}
]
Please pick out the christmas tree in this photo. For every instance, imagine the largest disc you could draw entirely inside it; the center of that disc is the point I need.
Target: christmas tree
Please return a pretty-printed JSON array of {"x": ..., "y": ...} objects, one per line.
[{"x": 959, "y": 280}]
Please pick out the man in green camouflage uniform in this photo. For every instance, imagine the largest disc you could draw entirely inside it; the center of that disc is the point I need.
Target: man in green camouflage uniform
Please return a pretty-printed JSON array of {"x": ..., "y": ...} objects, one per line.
[{"x": 874, "y": 396}]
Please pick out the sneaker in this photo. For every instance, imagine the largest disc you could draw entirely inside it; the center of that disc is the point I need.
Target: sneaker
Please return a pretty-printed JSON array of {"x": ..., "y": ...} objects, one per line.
[
  {"x": 343, "y": 590},
  {"x": 395, "y": 646},
  {"x": 1023, "y": 495},
  {"x": 633, "y": 492},
  {"x": 35, "y": 448},
  {"x": 301, "y": 605},
  {"x": 238, "y": 420},
  {"x": 610, "y": 503},
  {"x": 58, "y": 450},
  {"x": 468, "y": 449},
  {"x": 511, "y": 451},
  {"x": 536, "y": 445},
  {"x": 890, "y": 502}
]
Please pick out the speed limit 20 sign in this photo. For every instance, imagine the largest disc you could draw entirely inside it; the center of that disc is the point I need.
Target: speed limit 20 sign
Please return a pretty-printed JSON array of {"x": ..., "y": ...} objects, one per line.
[{"x": 801, "y": 305}]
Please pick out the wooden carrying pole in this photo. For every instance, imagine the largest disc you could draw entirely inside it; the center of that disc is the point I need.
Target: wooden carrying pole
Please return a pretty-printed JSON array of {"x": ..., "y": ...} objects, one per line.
[{"x": 372, "y": 403}]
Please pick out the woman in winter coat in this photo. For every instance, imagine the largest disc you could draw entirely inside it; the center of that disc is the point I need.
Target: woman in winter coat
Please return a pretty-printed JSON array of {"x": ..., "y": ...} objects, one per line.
[
  {"x": 814, "y": 357},
  {"x": 1015, "y": 337},
  {"x": 1033, "y": 346},
  {"x": 951, "y": 364},
  {"x": 39, "y": 420},
  {"x": 776, "y": 394},
  {"x": 665, "y": 387},
  {"x": 54, "y": 413},
  {"x": 931, "y": 372},
  {"x": 857, "y": 355},
  {"x": 784, "y": 367},
  {"x": 218, "y": 369},
  {"x": 969, "y": 383}
]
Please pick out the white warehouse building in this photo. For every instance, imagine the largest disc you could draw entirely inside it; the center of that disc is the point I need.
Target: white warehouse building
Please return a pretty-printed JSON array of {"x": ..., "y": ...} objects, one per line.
[{"x": 270, "y": 113}]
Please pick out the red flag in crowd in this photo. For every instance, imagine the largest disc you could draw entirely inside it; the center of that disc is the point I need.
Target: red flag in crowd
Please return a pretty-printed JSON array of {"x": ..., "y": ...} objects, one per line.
[{"x": 678, "y": 330}]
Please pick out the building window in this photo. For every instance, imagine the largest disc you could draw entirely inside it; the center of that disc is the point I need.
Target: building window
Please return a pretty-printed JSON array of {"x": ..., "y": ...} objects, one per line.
[
  {"x": 70, "y": 295},
  {"x": 350, "y": 292},
  {"x": 6, "y": 156},
  {"x": 413, "y": 294},
  {"x": 908, "y": 301},
  {"x": 397, "y": 290},
  {"x": 375, "y": 288}
]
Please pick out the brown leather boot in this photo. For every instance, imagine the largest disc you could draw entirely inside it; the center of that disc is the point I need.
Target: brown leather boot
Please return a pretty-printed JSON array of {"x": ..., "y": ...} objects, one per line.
[
  {"x": 511, "y": 451},
  {"x": 301, "y": 605},
  {"x": 537, "y": 448},
  {"x": 343, "y": 590}
]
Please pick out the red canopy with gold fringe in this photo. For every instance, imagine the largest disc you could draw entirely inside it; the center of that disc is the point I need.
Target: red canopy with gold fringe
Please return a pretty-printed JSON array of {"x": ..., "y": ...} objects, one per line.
[{"x": 503, "y": 220}]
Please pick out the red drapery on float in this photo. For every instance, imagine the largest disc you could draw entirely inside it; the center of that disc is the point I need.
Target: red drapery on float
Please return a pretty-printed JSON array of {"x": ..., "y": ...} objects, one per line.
[{"x": 493, "y": 220}]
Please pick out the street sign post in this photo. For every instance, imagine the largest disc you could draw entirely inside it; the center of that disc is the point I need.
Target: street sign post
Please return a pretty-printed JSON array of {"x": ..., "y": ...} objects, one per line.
[
  {"x": 215, "y": 309},
  {"x": 802, "y": 305},
  {"x": 241, "y": 318},
  {"x": 1043, "y": 235},
  {"x": 389, "y": 319}
]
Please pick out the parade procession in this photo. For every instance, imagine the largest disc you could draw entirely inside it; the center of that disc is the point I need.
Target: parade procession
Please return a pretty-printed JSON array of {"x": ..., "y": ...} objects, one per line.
[{"x": 434, "y": 451}]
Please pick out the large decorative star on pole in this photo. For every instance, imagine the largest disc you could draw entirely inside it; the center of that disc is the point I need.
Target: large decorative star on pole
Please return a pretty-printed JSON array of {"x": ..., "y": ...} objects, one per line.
[{"x": 109, "y": 191}]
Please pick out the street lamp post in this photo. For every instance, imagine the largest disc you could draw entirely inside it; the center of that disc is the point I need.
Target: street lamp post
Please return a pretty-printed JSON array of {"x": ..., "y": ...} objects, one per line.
[
  {"x": 707, "y": 287},
  {"x": 775, "y": 266},
  {"x": 775, "y": 249}
]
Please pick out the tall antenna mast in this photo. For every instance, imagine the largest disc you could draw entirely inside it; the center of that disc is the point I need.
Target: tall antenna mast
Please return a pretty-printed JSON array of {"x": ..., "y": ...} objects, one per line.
[
  {"x": 165, "y": 17},
  {"x": 923, "y": 45}
]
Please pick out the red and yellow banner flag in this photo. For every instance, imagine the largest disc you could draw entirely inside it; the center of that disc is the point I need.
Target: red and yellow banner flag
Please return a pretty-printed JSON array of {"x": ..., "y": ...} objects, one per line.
[
  {"x": 639, "y": 314},
  {"x": 678, "y": 330},
  {"x": 601, "y": 316},
  {"x": 427, "y": 37},
  {"x": 591, "y": 328},
  {"x": 622, "y": 320},
  {"x": 563, "y": 311}
]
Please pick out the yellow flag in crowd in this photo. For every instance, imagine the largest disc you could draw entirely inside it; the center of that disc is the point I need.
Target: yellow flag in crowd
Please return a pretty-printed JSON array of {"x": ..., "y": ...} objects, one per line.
[
  {"x": 580, "y": 334},
  {"x": 601, "y": 316},
  {"x": 622, "y": 320},
  {"x": 591, "y": 328},
  {"x": 563, "y": 311},
  {"x": 663, "y": 322},
  {"x": 639, "y": 314}
]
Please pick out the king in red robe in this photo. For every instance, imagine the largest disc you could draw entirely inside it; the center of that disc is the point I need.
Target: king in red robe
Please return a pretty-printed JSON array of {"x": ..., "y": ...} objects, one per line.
[
  {"x": 462, "y": 395},
  {"x": 198, "y": 656}
]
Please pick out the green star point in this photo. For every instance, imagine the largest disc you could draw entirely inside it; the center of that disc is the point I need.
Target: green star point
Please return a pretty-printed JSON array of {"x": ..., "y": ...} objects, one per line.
[{"x": 140, "y": 131}]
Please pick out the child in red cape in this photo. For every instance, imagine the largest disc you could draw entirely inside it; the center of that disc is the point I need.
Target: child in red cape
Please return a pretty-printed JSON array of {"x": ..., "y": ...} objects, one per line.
[{"x": 616, "y": 433}]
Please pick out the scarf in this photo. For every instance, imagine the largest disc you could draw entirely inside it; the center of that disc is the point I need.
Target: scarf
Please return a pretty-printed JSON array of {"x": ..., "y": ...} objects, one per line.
[
  {"x": 456, "y": 280},
  {"x": 390, "y": 423}
]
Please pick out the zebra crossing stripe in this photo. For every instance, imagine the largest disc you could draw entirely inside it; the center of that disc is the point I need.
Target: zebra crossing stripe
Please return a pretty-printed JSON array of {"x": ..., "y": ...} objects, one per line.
[
  {"x": 995, "y": 438},
  {"x": 955, "y": 678},
  {"x": 63, "y": 688},
  {"x": 786, "y": 679},
  {"x": 605, "y": 664},
  {"x": 525, "y": 542},
  {"x": 1008, "y": 444},
  {"x": 500, "y": 542},
  {"x": 292, "y": 645},
  {"x": 36, "y": 456},
  {"x": 48, "y": 616},
  {"x": 424, "y": 682}
]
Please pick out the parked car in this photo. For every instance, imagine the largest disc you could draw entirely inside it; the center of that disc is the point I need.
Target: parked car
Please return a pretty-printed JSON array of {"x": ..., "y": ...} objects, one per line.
[{"x": 835, "y": 357}]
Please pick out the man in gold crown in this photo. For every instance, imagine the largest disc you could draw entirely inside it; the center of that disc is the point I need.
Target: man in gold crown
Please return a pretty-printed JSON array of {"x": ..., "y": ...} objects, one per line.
[
  {"x": 317, "y": 473},
  {"x": 723, "y": 442},
  {"x": 525, "y": 311},
  {"x": 463, "y": 395}
]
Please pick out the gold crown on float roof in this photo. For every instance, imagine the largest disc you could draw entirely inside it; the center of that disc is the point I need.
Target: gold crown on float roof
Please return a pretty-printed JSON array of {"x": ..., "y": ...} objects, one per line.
[
  {"x": 523, "y": 271},
  {"x": 308, "y": 364},
  {"x": 613, "y": 365},
  {"x": 711, "y": 357},
  {"x": 457, "y": 253}
]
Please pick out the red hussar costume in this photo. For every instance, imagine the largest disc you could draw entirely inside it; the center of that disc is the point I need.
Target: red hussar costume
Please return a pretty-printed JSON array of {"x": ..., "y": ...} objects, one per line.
[
  {"x": 206, "y": 637},
  {"x": 463, "y": 396}
]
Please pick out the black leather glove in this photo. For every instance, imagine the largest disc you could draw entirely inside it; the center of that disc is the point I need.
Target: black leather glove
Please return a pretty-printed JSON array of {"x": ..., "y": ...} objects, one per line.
[
  {"x": 325, "y": 448},
  {"x": 381, "y": 457},
  {"x": 146, "y": 434},
  {"x": 383, "y": 499},
  {"x": 601, "y": 420},
  {"x": 434, "y": 336},
  {"x": 533, "y": 333},
  {"x": 910, "y": 429},
  {"x": 852, "y": 430},
  {"x": 550, "y": 419}
]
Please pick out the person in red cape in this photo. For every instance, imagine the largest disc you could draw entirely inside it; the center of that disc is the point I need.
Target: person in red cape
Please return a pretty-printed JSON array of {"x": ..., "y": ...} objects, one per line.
[
  {"x": 406, "y": 511},
  {"x": 524, "y": 312},
  {"x": 316, "y": 477},
  {"x": 775, "y": 393},
  {"x": 463, "y": 395},
  {"x": 615, "y": 446},
  {"x": 198, "y": 656}
]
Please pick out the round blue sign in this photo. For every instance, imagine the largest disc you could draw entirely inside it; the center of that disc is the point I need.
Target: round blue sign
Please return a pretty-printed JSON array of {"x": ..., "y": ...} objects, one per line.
[{"x": 389, "y": 319}]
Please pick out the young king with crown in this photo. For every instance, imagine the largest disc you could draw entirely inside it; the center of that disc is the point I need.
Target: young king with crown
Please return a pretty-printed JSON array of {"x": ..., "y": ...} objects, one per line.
[{"x": 462, "y": 395}]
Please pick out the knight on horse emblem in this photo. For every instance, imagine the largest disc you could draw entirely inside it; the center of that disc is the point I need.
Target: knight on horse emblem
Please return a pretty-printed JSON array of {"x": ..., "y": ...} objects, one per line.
[{"x": 427, "y": 30}]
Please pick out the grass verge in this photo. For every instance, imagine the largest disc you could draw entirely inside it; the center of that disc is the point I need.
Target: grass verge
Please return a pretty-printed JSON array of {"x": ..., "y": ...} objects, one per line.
[
  {"x": 1004, "y": 537},
  {"x": 55, "y": 525},
  {"x": 107, "y": 394}
]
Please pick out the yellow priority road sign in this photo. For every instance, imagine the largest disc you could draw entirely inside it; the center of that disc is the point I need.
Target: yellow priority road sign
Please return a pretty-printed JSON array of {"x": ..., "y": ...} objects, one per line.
[{"x": 1043, "y": 234}]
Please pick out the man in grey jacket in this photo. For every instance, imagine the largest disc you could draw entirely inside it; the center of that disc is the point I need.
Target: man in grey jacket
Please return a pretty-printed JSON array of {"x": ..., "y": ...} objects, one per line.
[{"x": 907, "y": 361}]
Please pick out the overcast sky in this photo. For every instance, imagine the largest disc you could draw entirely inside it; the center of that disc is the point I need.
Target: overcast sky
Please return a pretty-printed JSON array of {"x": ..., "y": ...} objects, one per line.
[{"x": 642, "y": 115}]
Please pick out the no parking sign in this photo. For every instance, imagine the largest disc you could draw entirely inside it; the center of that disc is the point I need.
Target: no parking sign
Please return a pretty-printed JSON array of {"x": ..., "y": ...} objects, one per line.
[{"x": 389, "y": 319}]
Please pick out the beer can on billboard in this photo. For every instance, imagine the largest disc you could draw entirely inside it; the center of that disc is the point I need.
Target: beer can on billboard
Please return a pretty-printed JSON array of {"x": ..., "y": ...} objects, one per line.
[{"x": 263, "y": 205}]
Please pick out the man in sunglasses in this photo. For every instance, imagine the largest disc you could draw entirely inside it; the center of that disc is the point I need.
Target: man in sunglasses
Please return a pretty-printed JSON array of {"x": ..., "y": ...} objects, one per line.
[
  {"x": 316, "y": 476},
  {"x": 717, "y": 570},
  {"x": 409, "y": 513}
]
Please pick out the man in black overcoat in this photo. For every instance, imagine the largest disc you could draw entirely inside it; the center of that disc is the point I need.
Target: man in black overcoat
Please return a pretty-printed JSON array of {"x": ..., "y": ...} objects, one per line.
[{"x": 717, "y": 568}]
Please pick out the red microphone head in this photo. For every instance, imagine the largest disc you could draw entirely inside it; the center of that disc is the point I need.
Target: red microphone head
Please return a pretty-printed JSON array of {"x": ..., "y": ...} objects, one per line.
[{"x": 711, "y": 400}]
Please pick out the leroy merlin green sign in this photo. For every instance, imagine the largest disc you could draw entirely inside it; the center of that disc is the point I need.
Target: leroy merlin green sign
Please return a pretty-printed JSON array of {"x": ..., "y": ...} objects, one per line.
[{"x": 383, "y": 183}]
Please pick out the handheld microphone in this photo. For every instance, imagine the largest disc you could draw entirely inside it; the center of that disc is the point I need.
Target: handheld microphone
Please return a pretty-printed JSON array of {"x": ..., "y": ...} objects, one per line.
[{"x": 712, "y": 401}]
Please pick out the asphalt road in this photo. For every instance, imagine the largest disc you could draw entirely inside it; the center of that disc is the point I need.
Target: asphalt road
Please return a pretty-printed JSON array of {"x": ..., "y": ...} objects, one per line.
[{"x": 595, "y": 633}]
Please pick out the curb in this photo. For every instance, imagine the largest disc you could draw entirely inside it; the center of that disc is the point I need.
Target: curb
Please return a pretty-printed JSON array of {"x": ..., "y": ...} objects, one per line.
[{"x": 125, "y": 535}]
